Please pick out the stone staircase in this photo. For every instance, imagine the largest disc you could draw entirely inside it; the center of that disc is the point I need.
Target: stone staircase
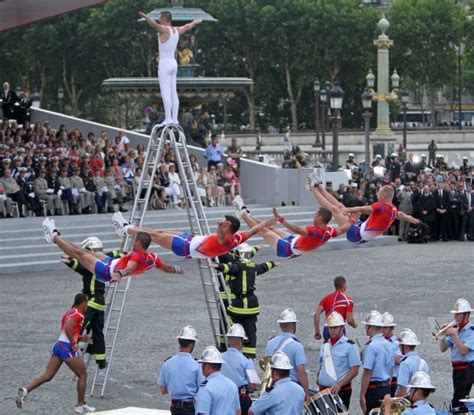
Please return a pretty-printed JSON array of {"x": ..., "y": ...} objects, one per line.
[{"x": 23, "y": 248}]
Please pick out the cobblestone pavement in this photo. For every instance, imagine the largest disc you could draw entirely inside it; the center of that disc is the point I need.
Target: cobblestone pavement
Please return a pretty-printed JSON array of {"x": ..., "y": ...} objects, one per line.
[{"x": 413, "y": 282}]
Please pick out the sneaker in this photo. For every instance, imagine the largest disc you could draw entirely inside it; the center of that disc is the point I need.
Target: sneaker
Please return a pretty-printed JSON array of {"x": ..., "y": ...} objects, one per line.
[
  {"x": 119, "y": 223},
  {"x": 313, "y": 181},
  {"x": 84, "y": 409},
  {"x": 48, "y": 228},
  {"x": 239, "y": 206},
  {"x": 21, "y": 397}
]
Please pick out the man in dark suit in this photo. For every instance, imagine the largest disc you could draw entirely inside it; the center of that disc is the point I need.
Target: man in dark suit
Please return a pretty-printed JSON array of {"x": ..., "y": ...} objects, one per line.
[
  {"x": 467, "y": 214},
  {"x": 425, "y": 208},
  {"x": 454, "y": 210},
  {"x": 441, "y": 196},
  {"x": 9, "y": 98},
  {"x": 23, "y": 107}
]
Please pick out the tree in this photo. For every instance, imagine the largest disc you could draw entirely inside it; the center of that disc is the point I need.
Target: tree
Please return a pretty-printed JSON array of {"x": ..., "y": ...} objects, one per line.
[{"x": 426, "y": 34}]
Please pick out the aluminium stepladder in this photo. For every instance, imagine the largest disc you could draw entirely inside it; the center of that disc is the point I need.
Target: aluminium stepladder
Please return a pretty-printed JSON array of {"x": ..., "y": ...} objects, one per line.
[{"x": 210, "y": 278}]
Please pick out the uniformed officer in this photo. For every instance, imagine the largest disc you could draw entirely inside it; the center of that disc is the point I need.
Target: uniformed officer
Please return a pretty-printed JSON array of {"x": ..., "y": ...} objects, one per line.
[
  {"x": 236, "y": 365},
  {"x": 388, "y": 331},
  {"x": 285, "y": 397},
  {"x": 240, "y": 274},
  {"x": 461, "y": 342},
  {"x": 67, "y": 193},
  {"x": 95, "y": 291},
  {"x": 420, "y": 388},
  {"x": 217, "y": 395},
  {"x": 181, "y": 375},
  {"x": 85, "y": 197},
  {"x": 103, "y": 192},
  {"x": 41, "y": 189},
  {"x": 287, "y": 342},
  {"x": 410, "y": 362},
  {"x": 339, "y": 360},
  {"x": 377, "y": 363},
  {"x": 115, "y": 191}
]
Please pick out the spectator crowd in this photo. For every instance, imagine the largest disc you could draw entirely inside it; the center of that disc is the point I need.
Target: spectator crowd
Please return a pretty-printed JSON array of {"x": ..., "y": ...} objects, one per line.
[
  {"x": 441, "y": 196},
  {"x": 48, "y": 171}
]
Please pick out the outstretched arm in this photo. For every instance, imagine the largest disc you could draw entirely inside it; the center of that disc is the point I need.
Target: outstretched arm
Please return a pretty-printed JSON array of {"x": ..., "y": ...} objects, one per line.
[
  {"x": 171, "y": 269},
  {"x": 257, "y": 228},
  {"x": 407, "y": 218},
  {"x": 126, "y": 272},
  {"x": 152, "y": 23},
  {"x": 188, "y": 26},
  {"x": 364, "y": 210},
  {"x": 288, "y": 225}
]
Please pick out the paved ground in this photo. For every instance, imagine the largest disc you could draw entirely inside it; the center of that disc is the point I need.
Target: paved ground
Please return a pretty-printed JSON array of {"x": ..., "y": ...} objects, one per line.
[{"x": 414, "y": 282}]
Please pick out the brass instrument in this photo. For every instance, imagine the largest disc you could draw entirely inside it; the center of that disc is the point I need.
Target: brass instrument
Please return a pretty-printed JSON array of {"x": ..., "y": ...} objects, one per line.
[
  {"x": 439, "y": 333},
  {"x": 265, "y": 365},
  {"x": 399, "y": 405}
]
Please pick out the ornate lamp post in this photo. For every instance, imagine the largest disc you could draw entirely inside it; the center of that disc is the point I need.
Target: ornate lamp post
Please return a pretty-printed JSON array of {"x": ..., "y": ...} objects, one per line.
[
  {"x": 336, "y": 98},
  {"x": 323, "y": 96},
  {"x": 316, "y": 89},
  {"x": 366, "y": 98},
  {"x": 405, "y": 98},
  {"x": 61, "y": 99}
]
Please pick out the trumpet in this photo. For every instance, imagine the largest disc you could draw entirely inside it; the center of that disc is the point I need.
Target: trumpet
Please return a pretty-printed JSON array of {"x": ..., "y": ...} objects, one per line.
[
  {"x": 265, "y": 365},
  {"x": 439, "y": 333},
  {"x": 398, "y": 406}
]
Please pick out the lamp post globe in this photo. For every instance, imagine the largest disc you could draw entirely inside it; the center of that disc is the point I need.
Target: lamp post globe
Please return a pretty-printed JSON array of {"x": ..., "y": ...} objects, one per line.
[
  {"x": 336, "y": 97},
  {"x": 366, "y": 99}
]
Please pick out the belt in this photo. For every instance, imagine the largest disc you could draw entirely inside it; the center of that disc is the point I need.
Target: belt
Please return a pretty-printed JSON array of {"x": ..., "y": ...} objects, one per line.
[
  {"x": 458, "y": 365},
  {"x": 244, "y": 391},
  {"x": 379, "y": 384},
  {"x": 346, "y": 388},
  {"x": 393, "y": 381},
  {"x": 182, "y": 403}
]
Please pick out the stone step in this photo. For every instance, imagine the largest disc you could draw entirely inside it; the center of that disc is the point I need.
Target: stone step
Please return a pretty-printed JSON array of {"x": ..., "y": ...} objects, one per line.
[{"x": 52, "y": 261}]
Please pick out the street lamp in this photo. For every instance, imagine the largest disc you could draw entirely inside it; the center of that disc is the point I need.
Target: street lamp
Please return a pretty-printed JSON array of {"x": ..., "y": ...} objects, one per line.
[
  {"x": 366, "y": 98},
  {"x": 35, "y": 98},
  {"x": 336, "y": 98},
  {"x": 405, "y": 98},
  {"x": 316, "y": 89},
  {"x": 61, "y": 98},
  {"x": 323, "y": 96}
]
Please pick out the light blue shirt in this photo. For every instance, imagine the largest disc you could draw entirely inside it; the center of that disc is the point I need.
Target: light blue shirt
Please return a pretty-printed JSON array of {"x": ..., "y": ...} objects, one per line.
[
  {"x": 396, "y": 352},
  {"x": 214, "y": 153},
  {"x": 345, "y": 355},
  {"x": 420, "y": 407},
  {"x": 217, "y": 396},
  {"x": 378, "y": 357},
  {"x": 286, "y": 398},
  {"x": 181, "y": 375},
  {"x": 467, "y": 337},
  {"x": 235, "y": 366},
  {"x": 294, "y": 350},
  {"x": 408, "y": 366}
]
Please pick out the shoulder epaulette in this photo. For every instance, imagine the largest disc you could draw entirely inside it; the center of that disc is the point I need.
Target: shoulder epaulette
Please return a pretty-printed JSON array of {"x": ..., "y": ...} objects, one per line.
[
  {"x": 203, "y": 383},
  {"x": 168, "y": 358}
]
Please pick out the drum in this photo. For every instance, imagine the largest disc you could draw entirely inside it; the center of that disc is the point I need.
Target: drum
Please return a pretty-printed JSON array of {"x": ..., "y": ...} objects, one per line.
[
  {"x": 324, "y": 403},
  {"x": 375, "y": 411}
]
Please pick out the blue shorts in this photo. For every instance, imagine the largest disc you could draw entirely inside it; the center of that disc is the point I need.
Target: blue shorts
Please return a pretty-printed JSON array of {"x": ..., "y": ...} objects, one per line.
[
  {"x": 353, "y": 234},
  {"x": 63, "y": 350},
  {"x": 102, "y": 269},
  {"x": 284, "y": 248},
  {"x": 180, "y": 244}
]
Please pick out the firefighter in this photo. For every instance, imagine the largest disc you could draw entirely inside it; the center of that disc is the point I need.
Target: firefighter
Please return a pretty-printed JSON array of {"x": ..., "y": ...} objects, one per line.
[
  {"x": 240, "y": 275},
  {"x": 95, "y": 291}
]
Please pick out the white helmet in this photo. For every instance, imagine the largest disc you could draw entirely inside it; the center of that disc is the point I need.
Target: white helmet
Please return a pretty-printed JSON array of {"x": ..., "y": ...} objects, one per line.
[
  {"x": 245, "y": 251},
  {"x": 388, "y": 320},
  {"x": 423, "y": 156},
  {"x": 211, "y": 355},
  {"x": 461, "y": 306},
  {"x": 440, "y": 156},
  {"x": 187, "y": 333},
  {"x": 280, "y": 361},
  {"x": 408, "y": 337},
  {"x": 236, "y": 330},
  {"x": 288, "y": 316},
  {"x": 465, "y": 158},
  {"x": 394, "y": 155},
  {"x": 334, "y": 320},
  {"x": 378, "y": 156},
  {"x": 374, "y": 318},
  {"x": 351, "y": 155},
  {"x": 92, "y": 243},
  {"x": 421, "y": 380}
]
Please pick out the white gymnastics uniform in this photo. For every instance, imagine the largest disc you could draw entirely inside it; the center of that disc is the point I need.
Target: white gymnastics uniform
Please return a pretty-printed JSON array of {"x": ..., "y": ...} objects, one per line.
[{"x": 167, "y": 71}]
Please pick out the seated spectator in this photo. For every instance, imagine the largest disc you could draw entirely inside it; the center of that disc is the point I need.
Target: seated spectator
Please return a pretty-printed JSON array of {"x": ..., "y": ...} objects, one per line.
[
  {"x": 5, "y": 204},
  {"x": 13, "y": 190},
  {"x": 115, "y": 191},
  {"x": 67, "y": 194},
  {"x": 85, "y": 198},
  {"x": 119, "y": 179},
  {"x": 234, "y": 181},
  {"x": 201, "y": 182},
  {"x": 127, "y": 169},
  {"x": 215, "y": 192},
  {"x": 165, "y": 182},
  {"x": 41, "y": 189}
]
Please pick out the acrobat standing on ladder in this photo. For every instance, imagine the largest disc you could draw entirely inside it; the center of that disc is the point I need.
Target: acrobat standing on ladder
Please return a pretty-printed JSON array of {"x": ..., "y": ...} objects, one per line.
[
  {"x": 168, "y": 37},
  {"x": 195, "y": 246}
]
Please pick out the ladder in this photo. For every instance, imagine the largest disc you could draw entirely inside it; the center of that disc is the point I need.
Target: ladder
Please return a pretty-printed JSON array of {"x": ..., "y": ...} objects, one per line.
[{"x": 210, "y": 278}]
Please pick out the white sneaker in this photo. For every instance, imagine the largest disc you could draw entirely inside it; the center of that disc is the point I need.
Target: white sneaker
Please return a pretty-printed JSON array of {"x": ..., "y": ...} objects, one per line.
[
  {"x": 84, "y": 409},
  {"x": 119, "y": 223},
  {"x": 49, "y": 230},
  {"x": 21, "y": 397},
  {"x": 313, "y": 180},
  {"x": 239, "y": 206}
]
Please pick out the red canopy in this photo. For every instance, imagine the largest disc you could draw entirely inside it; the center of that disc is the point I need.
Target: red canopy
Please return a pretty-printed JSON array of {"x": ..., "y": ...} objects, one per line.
[{"x": 15, "y": 13}]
